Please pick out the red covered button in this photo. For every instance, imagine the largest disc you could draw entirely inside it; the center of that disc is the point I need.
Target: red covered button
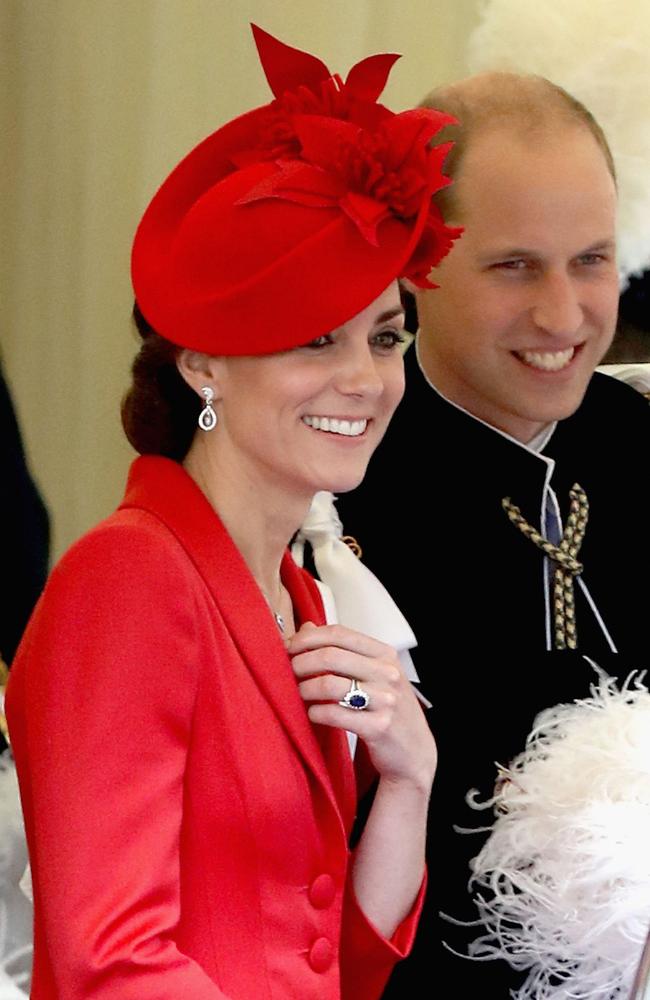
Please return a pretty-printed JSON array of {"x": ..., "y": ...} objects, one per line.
[
  {"x": 320, "y": 955},
  {"x": 322, "y": 892}
]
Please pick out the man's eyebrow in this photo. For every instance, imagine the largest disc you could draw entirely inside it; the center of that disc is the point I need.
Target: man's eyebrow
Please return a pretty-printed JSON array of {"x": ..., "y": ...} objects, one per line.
[
  {"x": 609, "y": 243},
  {"x": 504, "y": 253}
]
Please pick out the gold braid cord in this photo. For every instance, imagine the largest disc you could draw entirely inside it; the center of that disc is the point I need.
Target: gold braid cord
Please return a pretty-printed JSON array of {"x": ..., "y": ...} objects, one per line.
[{"x": 563, "y": 555}]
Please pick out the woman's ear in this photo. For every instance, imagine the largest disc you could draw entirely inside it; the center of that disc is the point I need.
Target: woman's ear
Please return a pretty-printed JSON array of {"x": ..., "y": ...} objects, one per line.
[{"x": 198, "y": 370}]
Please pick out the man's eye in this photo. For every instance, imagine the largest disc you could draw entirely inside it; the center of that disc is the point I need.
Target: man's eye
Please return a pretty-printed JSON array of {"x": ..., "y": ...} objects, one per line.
[
  {"x": 512, "y": 265},
  {"x": 591, "y": 258},
  {"x": 388, "y": 338}
]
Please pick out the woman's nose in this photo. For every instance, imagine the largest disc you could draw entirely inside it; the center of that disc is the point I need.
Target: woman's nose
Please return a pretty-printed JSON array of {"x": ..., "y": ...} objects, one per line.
[{"x": 358, "y": 374}]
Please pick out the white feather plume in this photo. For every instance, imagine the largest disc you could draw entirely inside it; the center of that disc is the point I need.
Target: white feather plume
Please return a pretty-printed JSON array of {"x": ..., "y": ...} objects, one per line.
[
  {"x": 598, "y": 51},
  {"x": 563, "y": 882}
]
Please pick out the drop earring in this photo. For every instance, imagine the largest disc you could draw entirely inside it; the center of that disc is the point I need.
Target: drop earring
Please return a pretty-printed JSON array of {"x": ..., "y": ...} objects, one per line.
[{"x": 207, "y": 416}]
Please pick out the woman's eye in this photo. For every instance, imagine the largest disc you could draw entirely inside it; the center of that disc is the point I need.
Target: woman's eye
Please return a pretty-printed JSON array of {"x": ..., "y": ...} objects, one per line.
[
  {"x": 320, "y": 341},
  {"x": 388, "y": 338}
]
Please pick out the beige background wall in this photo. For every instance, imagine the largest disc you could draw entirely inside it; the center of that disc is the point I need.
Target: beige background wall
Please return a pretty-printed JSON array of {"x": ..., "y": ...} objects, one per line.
[{"x": 98, "y": 100}]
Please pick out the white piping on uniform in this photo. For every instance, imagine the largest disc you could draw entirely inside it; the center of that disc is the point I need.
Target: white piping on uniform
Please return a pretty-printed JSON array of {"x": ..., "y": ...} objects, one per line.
[
  {"x": 534, "y": 447},
  {"x": 592, "y": 605}
]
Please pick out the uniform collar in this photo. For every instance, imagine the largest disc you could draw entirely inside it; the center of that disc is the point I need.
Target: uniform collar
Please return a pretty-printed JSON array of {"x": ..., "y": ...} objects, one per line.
[{"x": 534, "y": 447}]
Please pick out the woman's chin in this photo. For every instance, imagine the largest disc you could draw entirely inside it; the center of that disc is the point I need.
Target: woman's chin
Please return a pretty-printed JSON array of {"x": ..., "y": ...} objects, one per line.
[{"x": 345, "y": 485}]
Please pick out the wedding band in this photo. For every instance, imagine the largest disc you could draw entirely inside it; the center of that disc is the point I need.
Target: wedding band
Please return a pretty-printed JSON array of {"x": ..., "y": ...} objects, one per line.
[{"x": 356, "y": 698}]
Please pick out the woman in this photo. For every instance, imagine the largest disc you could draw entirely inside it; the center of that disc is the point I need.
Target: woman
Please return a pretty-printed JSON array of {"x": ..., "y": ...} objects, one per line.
[{"x": 179, "y": 707}]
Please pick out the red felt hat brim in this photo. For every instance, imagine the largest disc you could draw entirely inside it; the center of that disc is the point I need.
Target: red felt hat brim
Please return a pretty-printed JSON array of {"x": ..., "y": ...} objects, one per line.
[
  {"x": 292, "y": 218},
  {"x": 230, "y": 278}
]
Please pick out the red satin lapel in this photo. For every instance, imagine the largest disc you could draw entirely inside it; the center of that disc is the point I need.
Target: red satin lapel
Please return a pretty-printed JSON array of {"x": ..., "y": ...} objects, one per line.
[
  {"x": 308, "y": 607},
  {"x": 163, "y": 488}
]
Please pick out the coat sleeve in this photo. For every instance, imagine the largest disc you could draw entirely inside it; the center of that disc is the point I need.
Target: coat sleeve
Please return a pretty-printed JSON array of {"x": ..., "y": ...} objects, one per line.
[
  {"x": 100, "y": 712},
  {"x": 368, "y": 958}
]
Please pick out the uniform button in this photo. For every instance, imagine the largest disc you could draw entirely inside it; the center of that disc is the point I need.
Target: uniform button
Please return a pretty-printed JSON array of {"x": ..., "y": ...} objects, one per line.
[
  {"x": 322, "y": 892},
  {"x": 321, "y": 954}
]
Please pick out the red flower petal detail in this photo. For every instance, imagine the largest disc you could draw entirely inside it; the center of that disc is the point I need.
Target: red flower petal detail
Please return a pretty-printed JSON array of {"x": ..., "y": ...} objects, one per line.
[
  {"x": 366, "y": 213},
  {"x": 287, "y": 68},
  {"x": 298, "y": 182},
  {"x": 437, "y": 157},
  {"x": 412, "y": 130},
  {"x": 323, "y": 140},
  {"x": 435, "y": 243},
  {"x": 368, "y": 78}
]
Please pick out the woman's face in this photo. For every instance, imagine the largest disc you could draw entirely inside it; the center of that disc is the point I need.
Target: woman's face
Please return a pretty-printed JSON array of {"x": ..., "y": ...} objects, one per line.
[{"x": 309, "y": 419}]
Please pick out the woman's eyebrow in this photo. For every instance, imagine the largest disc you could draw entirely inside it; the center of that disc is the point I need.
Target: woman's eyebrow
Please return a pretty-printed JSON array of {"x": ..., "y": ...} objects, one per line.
[{"x": 390, "y": 314}]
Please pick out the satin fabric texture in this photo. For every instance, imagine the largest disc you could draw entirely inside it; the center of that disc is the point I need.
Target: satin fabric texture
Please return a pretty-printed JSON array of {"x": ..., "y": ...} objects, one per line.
[{"x": 188, "y": 827}]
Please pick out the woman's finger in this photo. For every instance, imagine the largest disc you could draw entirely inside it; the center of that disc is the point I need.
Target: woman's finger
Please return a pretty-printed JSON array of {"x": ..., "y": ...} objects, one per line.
[
  {"x": 333, "y": 689},
  {"x": 368, "y": 725},
  {"x": 343, "y": 663},
  {"x": 310, "y": 636}
]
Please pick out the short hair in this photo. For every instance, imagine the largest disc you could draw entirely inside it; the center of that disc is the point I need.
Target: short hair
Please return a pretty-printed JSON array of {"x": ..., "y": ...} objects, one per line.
[{"x": 524, "y": 104}]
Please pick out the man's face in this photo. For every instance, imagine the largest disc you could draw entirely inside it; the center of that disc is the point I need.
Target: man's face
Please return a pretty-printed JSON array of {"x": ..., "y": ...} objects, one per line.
[{"x": 527, "y": 301}]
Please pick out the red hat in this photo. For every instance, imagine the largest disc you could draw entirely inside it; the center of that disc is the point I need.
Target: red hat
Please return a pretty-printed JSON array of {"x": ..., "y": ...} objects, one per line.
[{"x": 291, "y": 219}]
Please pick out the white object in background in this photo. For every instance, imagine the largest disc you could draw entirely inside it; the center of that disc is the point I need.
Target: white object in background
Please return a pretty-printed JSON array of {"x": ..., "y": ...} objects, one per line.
[
  {"x": 598, "y": 51},
  {"x": 564, "y": 878}
]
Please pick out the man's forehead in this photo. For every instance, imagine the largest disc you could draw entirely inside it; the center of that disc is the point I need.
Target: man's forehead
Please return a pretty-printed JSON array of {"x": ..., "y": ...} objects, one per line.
[
  {"x": 501, "y": 143},
  {"x": 515, "y": 177}
]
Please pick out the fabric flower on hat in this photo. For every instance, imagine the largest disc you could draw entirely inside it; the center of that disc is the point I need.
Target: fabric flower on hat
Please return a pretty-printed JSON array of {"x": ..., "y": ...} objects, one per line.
[
  {"x": 322, "y": 190},
  {"x": 303, "y": 85},
  {"x": 341, "y": 147}
]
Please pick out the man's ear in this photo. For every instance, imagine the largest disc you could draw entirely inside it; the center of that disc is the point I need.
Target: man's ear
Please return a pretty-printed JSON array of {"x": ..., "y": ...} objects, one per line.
[{"x": 199, "y": 370}]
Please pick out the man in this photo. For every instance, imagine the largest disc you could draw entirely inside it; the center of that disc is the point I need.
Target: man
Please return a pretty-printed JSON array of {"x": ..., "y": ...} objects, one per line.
[{"x": 505, "y": 510}]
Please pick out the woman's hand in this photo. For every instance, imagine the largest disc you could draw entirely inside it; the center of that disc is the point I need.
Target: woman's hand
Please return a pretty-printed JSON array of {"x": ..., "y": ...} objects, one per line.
[{"x": 325, "y": 660}]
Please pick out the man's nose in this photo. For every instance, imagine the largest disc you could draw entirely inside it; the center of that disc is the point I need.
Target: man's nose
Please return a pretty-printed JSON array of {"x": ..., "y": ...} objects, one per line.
[{"x": 558, "y": 308}]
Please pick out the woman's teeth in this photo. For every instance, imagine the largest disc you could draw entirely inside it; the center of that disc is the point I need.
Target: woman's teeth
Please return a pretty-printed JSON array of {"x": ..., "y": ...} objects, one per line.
[
  {"x": 547, "y": 361},
  {"x": 349, "y": 428}
]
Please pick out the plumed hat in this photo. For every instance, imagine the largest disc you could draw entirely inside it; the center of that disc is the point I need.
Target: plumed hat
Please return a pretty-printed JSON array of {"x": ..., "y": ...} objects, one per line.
[{"x": 292, "y": 218}]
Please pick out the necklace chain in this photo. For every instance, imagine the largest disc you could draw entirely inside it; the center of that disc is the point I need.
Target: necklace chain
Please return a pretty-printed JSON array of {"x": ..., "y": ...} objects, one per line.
[{"x": 279, "y": 619}]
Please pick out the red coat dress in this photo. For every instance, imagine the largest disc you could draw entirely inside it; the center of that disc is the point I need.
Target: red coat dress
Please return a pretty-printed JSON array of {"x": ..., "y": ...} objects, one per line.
[{"x": 187, "y": 825}]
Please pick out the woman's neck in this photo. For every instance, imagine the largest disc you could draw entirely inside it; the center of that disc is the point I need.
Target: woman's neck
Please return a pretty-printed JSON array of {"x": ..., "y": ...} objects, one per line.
[{"x": 259, "y": 517}]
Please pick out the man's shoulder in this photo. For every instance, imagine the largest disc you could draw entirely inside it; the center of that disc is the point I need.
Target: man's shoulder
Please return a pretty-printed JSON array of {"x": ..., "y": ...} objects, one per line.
[
  {"x": 611, "y": 404},
  {"x": 605, "y": 440}
]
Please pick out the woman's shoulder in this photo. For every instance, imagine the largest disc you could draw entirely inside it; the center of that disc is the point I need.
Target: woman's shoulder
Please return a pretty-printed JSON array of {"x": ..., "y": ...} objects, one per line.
[
  {"x": 131, "y": 557},
  {"x": 128, "y": 539}
]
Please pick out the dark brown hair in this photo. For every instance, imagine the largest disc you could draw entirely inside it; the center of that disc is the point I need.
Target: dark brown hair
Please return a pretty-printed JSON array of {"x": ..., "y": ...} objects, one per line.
[{"x": 159, "y": 411}]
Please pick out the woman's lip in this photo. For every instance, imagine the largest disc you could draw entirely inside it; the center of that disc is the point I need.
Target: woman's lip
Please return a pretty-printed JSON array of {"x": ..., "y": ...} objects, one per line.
[{"x": 342, "y": 426}]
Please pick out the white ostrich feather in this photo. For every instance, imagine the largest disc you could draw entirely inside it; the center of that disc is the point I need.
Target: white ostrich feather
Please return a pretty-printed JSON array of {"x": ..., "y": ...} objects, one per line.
[
  {"x": 598, "y": 51},
  {"x": 563, "y": 882}
]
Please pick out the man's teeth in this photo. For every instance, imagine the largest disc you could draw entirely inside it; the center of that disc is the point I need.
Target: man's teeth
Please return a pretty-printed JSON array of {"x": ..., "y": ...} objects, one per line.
[
  {"x": 547, "y": 361},
  {"x": 349, "y": 428}
]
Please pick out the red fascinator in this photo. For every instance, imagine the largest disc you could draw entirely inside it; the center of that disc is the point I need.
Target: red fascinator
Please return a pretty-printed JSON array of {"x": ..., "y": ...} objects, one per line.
[{"x": 292, "y": 218}]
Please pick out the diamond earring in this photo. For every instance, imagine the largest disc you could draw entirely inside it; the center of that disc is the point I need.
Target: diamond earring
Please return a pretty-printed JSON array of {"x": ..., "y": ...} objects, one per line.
[{"x": 207, "y": 416}]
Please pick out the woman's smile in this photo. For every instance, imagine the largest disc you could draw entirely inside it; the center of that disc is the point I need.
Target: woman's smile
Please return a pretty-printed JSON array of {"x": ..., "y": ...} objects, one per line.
[{"x": 348, "y": 427}]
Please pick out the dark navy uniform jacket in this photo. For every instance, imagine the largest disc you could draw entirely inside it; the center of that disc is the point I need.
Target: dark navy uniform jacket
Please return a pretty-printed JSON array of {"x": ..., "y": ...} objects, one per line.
[{"x": 429, "y": 519}]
